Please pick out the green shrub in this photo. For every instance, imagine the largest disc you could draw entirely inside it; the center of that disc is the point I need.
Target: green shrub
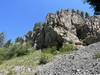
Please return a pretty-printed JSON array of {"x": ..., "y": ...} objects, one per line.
[
  {"x": 52, "y": 50},
  {"x": 37, "y": 26},
  {"x": 3, "y": 53},
  {"x": 10, "y": 73},
  {"x": 13, "y": 51},
  {"x": 45, "y": 58},
  {"x": 97, "y": 56},
  {"x": 70, "y": 42},
  {"x": 21, "y": 51},
  {"x": 18, "y": 50},
  {"x": 67, "y": 48},
  {"x": 89, "y": 40}
]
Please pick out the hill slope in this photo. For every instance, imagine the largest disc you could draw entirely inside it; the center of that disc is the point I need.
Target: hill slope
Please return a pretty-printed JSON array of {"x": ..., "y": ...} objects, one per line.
[
  {"x": 82, "y": 62},
  {"x": 85, "y": 61}
]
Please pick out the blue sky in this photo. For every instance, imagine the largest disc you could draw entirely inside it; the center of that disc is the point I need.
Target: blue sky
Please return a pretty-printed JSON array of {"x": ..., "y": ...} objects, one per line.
[{"x": 18, "y": 16}]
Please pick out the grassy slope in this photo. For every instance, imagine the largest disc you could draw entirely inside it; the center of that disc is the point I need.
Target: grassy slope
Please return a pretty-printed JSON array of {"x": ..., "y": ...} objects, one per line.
[{"x": 30, "y": 60}]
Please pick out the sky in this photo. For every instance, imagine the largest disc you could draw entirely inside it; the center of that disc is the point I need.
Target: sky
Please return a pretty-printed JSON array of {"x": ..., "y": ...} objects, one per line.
[{"x": 18, "y": 16}]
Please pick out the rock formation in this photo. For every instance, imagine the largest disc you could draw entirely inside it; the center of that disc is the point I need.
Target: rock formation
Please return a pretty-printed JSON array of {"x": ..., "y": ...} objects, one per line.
[
  {"x": 65, "y": 26},
  {"x": 75, "y": 27}
]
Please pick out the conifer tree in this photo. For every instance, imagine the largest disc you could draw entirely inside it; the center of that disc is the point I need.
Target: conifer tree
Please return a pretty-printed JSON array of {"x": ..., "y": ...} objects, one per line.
[
  {"x": 95, "y": 4},
  {"x": 86, "y": 14}
]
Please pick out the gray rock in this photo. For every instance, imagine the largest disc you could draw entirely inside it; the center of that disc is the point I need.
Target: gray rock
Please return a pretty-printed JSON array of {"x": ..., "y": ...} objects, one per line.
[
  {"x": 86, "y": 29},
  {"x": 80, "y": 62}
]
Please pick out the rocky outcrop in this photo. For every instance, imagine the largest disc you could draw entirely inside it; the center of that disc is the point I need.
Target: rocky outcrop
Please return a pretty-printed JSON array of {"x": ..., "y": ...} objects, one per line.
[
  {"x": 48, "y": 38},
  {"x": 82, "y": 28},
  {"x": 67, "y": 26}
]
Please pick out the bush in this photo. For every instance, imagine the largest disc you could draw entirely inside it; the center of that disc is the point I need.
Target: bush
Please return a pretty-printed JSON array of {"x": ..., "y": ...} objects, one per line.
[
  {"x": 89, "y": 40},
  {"x": 37, "y": 26},
  {"x": 3, "y": 53},
  {"x": 13, "y": 51},
  {"x": 52, "y": 50},
  {"x": 45, "y": 58},
  {"x": 70, "y": 42},
  {"x": 97, "y": 56},
  {"x": 18, "y": 50},
  {"x": 67, "y": 48}
]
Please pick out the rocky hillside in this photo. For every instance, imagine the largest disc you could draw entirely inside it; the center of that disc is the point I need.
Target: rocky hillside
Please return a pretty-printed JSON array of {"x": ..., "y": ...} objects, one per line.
[
  {"x": 70, "y": 26},
  {"x": 67, "y": 26},
  {"x": 85, "y": 61},
  {"x": 64, "y": 28}
]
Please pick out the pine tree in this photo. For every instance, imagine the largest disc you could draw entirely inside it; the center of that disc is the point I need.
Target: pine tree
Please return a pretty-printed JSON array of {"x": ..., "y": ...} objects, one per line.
[
  {"x": 37, "y": 26},
  {"x": 7, "y": 44},
  {"x": 95, "y": 4},
  {"x": 82, "y": 13},
  {"x": 86, "y": 14},
  {"x": 78, "y": 12},
  {"x": 19, "y": 40},
  {"x": 73, "y": 11},
  {"x": 28, "y": 36},
  {"x": 2, "y": 39}
]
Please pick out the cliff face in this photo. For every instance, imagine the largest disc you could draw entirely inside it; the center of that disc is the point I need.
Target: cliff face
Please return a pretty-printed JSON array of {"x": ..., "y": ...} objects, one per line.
[
  {"x": 71, "y": 26},
  {"x": 75, "y": 24}
]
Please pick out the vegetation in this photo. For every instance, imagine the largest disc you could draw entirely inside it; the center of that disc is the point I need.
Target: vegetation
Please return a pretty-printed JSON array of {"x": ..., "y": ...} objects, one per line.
[
  {"x": 95, "y": 4},
  {"x": 14, "y": 55},
  {"x": 7, "y": 44},
  {"x": 97, "y": 56},
  {"x": 77, "y": 11},
  {"x": 45, "y": 58},
  {"x": 19, "y": 40},
  {"x": 29, "y": 60},
  {"x": 2, "y": 38},
  {"x": 21, "y": 53},
  {"x": 28, "y": 36},
  {"x": 23, "y": 47},
  {"x": 73, "y": 11},
  {"x": 52, "y": 50},
  {"x": 37, "y": 26},
  {"x": 13, "y": 51},
  {"x": 67, "y": 48},
  {"x": 86, "y": 14},
  {"x": 82, "y": 13}
]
